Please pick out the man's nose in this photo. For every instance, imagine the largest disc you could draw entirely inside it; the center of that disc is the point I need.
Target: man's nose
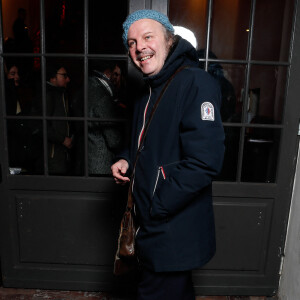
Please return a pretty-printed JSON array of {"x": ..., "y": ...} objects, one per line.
[{"x": 140, "y": 45}]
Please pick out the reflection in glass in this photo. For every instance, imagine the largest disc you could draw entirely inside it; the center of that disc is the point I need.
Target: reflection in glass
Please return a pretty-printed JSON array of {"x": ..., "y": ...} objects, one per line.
[
  {"x": 191, "y": 15},
  {"x": 107, "y": 104},
  {"x": 266, "y": 94},
  {"x": 272, "y": 30},
  {"x": 65, "y": 148},
  {"x": 21, "y": 26},
  {"x": 64, "y": 26},
  {"x": 230, "y": 41},
  {"x": 21, "y": 33},
  {"x": 229, "y": 169},
  {"x": 260, "y": 155},
  {"x": 105, "y": 141},
  {"x": 25, "y": 146},
  {"x": 114, "y": 73},
  {"x": 65, "y": 77},
  {"x": 20, "y": 92},
  {"x": 105, "y": 26},
  {"x": 64, "y": 83}
]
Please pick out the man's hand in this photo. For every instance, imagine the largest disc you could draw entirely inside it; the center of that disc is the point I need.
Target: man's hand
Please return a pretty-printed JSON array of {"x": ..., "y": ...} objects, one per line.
[
  {"x": 118, "y": 170},
  {"x": 68, "y": 142}
]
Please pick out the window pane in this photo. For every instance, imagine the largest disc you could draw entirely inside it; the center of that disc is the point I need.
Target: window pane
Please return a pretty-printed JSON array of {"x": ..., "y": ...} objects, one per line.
[
  {"x": 76, "y": 152},
  {"x": 272, "y": 30},
  {"x": 232, "y": 137},
  {"x": 65, "y": 148},
  {"x": 21, "y": 90},
  {"x": 66, "y": 75},
  {"x": 231, "y": 79},
  {"x": 25, "y": 146},
  {"x": 64, "y": 26},
  {"x": 266, "y": 94},
  {"x": 105, "y": 26},
  {"x": 107, "y": 105},
  {"x": 21, "y": 26},
  {"x": 260, "y": 155},
  {"x": 230, "y": 41},
  {"x": 191, "y": 15},
  {"x": 105, "y": 140},
  {"x": 64, "y": 90}
]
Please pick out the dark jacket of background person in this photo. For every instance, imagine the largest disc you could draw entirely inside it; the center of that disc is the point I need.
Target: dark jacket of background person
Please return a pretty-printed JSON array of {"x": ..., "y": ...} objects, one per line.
[
  {"x": 104, "y": 138},
  {"x": 181, "y": 155},
  {"x": 24, "y": 143},
  {"x": 57, "y": 130}
]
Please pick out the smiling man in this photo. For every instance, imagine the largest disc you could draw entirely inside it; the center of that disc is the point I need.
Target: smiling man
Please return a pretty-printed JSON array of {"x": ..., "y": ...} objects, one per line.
[{"x": 180, "y": 156}]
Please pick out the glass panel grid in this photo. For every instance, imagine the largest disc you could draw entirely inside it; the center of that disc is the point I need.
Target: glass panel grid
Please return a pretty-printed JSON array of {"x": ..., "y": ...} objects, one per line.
[
  {"x": 57, "y": 51},
  {"x": 279, "y": 65}
]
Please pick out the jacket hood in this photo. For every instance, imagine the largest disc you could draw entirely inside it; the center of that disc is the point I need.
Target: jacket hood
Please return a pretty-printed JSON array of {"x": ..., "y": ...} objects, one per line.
[{"x": 182, "y": 53}]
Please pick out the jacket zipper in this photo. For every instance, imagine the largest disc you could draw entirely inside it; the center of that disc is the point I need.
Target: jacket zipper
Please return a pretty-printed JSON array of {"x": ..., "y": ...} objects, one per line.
[
  {"x": 144, "y": 119},
  {"x": 139, "y": 140}
]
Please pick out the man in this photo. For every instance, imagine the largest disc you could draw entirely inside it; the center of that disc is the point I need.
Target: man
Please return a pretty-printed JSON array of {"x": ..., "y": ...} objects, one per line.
[
  {"x": 181, "y": 154},
  {"x": 104, "y": 138},
  {"x": 59, "y": 139},
  {"x": 115, "y": 77}
]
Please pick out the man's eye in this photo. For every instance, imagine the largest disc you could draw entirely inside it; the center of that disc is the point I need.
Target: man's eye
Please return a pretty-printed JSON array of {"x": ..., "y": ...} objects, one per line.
[
  {"x": 148, "y": 37},
  {"x": 131, "y": 44}
]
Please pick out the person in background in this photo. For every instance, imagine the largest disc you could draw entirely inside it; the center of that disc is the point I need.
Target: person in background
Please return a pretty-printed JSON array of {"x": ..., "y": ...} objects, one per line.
[
  {"x": 58, "y": 131},
  {"x": 12, "y": 82},
  {"x": 21, "y": 34},
  {"x": 104, "y": 138},
  {"x": 24, "y": 144},
  {"x": 181, "y": 155}
]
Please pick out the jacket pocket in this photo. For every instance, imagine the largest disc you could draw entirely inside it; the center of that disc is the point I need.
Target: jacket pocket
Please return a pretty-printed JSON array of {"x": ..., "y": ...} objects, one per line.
[{"x": 160, "y": 174}]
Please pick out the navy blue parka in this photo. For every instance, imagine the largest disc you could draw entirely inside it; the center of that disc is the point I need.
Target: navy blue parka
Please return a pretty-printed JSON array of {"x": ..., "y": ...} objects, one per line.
[{"x": 182, "y": 152}]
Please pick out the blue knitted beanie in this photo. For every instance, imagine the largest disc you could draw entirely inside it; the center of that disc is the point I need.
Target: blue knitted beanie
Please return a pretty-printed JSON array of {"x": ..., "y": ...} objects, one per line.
[{"x": 145, "y": 14}]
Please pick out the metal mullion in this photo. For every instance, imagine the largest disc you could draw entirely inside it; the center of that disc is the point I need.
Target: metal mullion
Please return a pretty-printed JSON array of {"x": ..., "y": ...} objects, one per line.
[
  {"x": 5, "y": 164},
  {"x": 209, "y": 16},
  {"x": 245, "y": 102},
  {"x": 21, "y": 54},
  {"x": 43, "y": 73},
  {"x": 265, "y": 126},
  {"x": 108, "y": 56},
  {"x": 68, "y": 55},
  {"x": 293, "y": 30},
  {"x": 148, "y": 4},
  {"x": 86, "y": 65},
  {"x": 269, "y": 63},
  {"x": 245, "y": 62}
]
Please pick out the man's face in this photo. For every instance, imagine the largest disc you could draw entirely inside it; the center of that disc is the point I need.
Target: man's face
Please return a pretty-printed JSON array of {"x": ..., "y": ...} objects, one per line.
[
  {"x": 61, "y": 79},
  {"x": 13, "y": 73},
  {"x": 116, "y": 77},
  {"x": 148, "y": 46}
]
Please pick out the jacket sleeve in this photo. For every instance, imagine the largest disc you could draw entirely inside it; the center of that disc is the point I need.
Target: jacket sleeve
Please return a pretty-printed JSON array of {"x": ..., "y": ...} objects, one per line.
[
  {"x": 54, "y": 136},
  {"x": 202, "y": 148}
]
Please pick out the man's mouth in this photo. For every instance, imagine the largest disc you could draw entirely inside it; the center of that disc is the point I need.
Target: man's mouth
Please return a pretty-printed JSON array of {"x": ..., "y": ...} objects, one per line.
[{"x": 145, "y": 58}]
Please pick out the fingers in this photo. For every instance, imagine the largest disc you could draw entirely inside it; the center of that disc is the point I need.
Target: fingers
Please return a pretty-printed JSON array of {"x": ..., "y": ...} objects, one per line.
[
  {"x": 121, "y": 182},
  {"x": 119, "y": 169}
]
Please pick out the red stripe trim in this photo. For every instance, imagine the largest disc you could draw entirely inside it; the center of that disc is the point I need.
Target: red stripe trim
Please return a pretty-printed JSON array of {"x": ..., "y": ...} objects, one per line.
[{"x": 163, "y": 172}]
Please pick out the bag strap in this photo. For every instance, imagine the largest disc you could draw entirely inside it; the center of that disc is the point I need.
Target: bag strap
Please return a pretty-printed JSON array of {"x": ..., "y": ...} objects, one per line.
[{"x": 130, "y": 198}]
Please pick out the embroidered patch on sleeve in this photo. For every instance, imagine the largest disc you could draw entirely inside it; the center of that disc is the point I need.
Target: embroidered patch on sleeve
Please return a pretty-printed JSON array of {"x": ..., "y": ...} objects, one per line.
[{"x": 207, "y": 111}]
